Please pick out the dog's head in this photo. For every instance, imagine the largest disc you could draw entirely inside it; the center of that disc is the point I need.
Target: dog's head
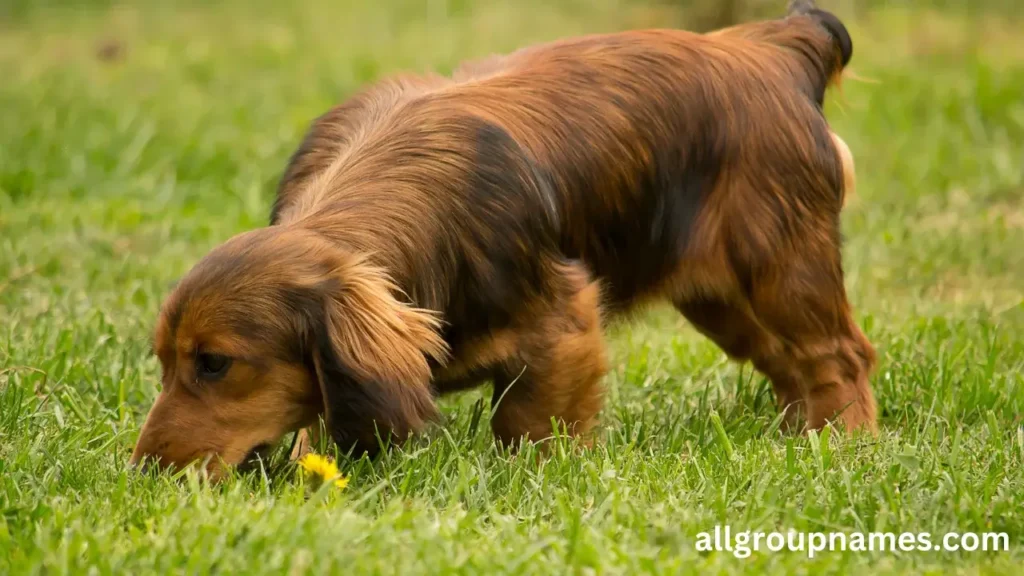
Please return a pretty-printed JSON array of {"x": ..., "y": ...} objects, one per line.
[{"x": 271, "y": 330}]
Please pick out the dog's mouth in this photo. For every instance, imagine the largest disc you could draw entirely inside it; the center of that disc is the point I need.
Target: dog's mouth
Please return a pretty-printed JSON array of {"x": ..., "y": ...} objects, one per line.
[{"x": 258, "y": 456}]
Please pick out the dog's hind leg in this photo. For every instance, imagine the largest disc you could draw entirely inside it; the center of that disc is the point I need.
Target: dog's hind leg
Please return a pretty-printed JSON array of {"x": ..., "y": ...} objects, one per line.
[
  {"x": 735, "y": 329},
  {"x": 557, "y": 369},
  {"x": 802, "y": 303},
  {"x": 775, "y": 296}
]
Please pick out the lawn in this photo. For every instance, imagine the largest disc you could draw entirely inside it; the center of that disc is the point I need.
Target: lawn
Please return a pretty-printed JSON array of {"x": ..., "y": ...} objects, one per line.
[{"x": 134, "y": 138}]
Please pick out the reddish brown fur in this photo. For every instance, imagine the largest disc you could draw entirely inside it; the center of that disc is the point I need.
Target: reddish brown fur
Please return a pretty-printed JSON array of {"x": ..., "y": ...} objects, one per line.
[{"x": 434, "y": 233}]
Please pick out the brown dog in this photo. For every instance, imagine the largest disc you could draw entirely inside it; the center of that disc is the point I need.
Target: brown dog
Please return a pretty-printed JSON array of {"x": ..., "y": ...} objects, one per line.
[{"x": 435, "y": 233}]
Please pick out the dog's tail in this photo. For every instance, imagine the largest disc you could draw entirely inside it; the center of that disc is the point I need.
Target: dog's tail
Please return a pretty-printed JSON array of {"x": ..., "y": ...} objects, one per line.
[
  {"x": 827, "y": 20},
  {"x": 832, "y": 57},
  {"x": 817, "y": 39},
  {"x": 816, "y": 49},
  {"x": 831, "y": 52}
]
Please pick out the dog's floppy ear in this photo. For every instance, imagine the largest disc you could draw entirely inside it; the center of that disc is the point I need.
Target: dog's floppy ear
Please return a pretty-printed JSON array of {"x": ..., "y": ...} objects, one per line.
[{"x": 370, "y": 353}]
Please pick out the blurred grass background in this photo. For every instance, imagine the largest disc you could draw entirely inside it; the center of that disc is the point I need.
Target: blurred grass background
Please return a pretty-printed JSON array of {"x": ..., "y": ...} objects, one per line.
[{"x": 135, "y": 136}]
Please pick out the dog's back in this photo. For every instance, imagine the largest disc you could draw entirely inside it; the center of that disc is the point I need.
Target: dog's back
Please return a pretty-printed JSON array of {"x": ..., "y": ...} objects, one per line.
[
  {"x": 639, "y": 131},
  {"x": 633, "y": 136}
]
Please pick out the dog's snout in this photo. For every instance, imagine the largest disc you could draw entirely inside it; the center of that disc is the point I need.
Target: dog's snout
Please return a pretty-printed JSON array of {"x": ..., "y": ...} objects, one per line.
[
  {"x": 160, "y": 443},
  {"x": 144, "y": 457},
  {"x": 141, "y": 464}
]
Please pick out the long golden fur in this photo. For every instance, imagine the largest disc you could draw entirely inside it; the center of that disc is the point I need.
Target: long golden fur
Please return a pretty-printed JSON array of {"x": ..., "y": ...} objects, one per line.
[{"x": 434, "y": 233}]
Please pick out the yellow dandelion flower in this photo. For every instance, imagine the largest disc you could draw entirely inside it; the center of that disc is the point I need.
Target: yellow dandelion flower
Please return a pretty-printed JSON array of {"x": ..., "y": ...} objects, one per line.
[{"x": 323, "y": 469}]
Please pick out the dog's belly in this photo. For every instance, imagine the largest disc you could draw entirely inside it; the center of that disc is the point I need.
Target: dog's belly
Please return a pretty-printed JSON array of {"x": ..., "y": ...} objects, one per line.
[
  {"x": 472, "y": 360},
  {"x": 633, "y": 252}
]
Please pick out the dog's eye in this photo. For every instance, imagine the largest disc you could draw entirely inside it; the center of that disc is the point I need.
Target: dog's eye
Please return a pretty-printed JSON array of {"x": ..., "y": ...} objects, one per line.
[{"x": 212, "y": 366}]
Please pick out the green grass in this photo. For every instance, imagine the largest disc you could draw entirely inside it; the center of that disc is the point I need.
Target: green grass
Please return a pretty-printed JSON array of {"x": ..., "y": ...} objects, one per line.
[{"x": 117, "y": 174}]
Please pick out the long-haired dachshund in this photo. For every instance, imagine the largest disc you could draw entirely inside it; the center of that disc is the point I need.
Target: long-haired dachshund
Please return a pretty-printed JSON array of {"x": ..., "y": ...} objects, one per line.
[{"x": 433, "y": 233}]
